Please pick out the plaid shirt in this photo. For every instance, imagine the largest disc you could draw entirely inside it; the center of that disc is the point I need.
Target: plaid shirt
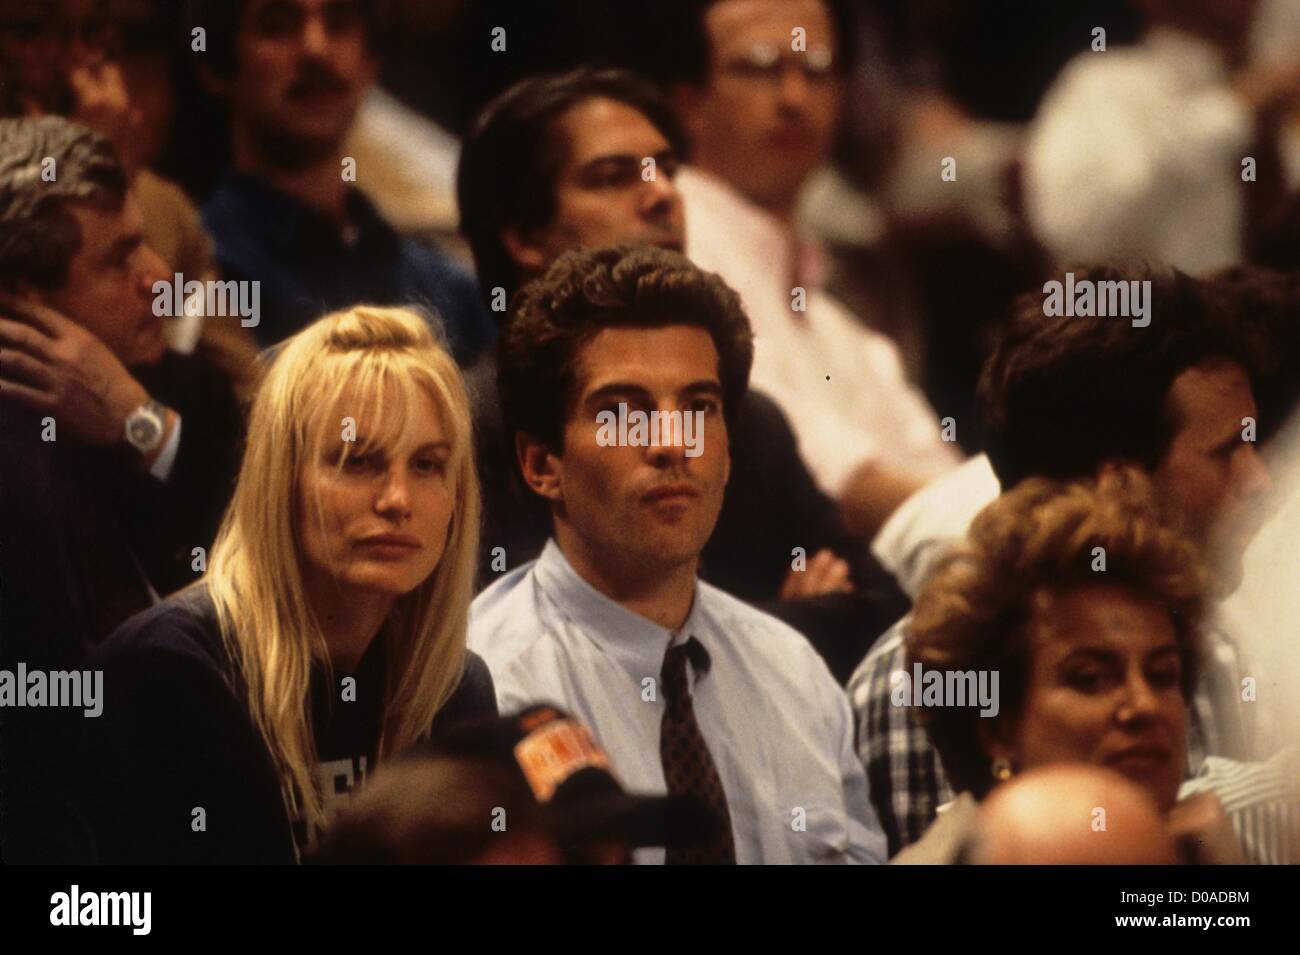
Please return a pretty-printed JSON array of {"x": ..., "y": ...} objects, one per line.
[{"x": 906, "y": 779}]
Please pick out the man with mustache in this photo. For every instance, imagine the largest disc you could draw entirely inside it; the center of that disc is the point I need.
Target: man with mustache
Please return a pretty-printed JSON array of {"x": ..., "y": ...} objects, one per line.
[
  {"x": 293, "y": 73},
  {"x": 689, "y": 690},
  {"x": 760, "y": 99},
  {"x": 619, "y": 147}
]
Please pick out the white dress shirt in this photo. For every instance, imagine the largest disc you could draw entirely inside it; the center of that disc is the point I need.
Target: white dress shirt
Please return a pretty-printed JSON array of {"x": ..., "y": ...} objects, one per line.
[
  {"x": 932, "y": 520},
  {"x": 1136, "y": 153},
  {"x": 776, "y": 723},
  {"x": 839, "y": 382}
]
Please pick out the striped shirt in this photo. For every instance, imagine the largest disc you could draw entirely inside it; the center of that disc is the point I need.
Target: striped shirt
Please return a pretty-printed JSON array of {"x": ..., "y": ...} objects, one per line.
[{"x": 1262, "y": 800}]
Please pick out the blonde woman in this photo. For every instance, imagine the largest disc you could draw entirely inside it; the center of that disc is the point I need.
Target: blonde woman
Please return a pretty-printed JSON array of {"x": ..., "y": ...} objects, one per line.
[{"x": 329, "y": 630}]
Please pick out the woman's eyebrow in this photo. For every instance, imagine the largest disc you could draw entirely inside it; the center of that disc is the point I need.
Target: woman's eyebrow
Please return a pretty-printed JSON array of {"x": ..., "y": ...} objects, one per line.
[{"x": 1093, "y": 652}]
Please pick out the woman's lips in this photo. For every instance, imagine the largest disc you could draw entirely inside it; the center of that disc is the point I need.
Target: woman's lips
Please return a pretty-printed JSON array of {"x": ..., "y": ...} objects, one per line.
[
  {"x": 390, "y": 545},
  {"x": 1139, "y": 759}
]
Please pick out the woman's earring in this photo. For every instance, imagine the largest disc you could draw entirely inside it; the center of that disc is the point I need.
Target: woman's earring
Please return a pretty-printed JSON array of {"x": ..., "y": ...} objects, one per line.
[{"x": 1001, "y": 769}]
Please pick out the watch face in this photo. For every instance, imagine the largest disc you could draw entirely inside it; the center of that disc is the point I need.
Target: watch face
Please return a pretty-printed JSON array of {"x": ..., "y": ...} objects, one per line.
[{"x": 143, "y": 431}]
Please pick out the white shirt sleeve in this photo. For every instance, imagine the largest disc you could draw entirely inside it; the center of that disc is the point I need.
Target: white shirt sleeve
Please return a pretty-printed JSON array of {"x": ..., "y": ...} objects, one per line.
[
  {"x": 932, "y": 520},
  {"x": 166, "y": 460}
]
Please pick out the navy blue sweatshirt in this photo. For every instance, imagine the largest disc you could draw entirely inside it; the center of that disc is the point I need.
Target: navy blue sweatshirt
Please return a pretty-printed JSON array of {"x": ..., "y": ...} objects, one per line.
[{"x": 176, "y": 737}]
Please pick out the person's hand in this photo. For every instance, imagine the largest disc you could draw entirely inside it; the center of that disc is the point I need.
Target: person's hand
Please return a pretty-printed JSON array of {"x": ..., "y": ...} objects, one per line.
[
  {"x": 54, "y": 366},
  {"x": 1203, "y": 832},
  {"x": 825, "y": 574}
]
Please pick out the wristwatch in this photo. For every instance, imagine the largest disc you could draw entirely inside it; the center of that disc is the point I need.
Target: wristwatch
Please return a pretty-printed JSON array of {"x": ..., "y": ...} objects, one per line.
[{"x": 145, "y": 426}]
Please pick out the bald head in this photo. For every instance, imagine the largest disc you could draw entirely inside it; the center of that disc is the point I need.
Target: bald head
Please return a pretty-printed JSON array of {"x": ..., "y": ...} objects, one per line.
[
  {"x": 440, "y": 810},
  {"x": 1071, "y": 815}
]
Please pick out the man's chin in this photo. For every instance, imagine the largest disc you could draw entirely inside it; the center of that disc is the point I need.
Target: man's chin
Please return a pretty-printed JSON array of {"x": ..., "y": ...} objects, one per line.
[
  {"x": 150, "y": 352},
  {"x": 674, "y": 544},
  {"x": 1228, "y": 575}
]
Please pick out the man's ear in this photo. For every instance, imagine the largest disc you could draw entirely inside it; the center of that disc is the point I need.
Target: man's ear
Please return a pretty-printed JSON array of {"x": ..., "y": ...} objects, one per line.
[
  {"x": 527, "y": 254},
  {"x": 540, "y": 468}
]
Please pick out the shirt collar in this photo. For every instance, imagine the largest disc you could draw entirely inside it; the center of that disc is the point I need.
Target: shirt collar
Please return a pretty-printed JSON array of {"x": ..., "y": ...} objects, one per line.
[
  {"x": 286, "y": 222},
  {"x": 636, "y": 643},
  {"x": 763, "y": 236}
]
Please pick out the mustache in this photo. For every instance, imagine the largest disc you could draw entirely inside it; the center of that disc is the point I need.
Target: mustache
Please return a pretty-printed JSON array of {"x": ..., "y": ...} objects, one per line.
[{"x": 317, "y": 79}]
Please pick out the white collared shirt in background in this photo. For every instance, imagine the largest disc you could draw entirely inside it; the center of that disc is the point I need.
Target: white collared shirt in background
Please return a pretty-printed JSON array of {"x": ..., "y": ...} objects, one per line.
[{"x": 840, "y": 383}]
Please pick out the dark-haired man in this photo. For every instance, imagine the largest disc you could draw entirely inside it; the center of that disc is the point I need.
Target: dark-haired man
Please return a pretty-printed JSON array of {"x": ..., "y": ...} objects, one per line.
[
  {"x": 293, "y": 73},
  {"x": 689, "y": 690},
  {"x": 589, "y": 158},
  {"x": 1063, "y": 397}
]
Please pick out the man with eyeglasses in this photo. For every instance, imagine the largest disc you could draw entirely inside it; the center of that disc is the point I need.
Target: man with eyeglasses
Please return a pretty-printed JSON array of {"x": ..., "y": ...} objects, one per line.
[{"x": 760, "y": 106}]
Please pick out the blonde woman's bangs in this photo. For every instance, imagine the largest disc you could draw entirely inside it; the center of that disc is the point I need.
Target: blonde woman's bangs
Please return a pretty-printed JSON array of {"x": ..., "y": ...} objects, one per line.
[{"x": 369, "y": 401}]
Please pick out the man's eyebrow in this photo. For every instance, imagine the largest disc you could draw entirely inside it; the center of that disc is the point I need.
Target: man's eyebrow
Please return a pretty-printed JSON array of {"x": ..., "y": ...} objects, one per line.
[
  {"x": 615, "y": 389},
  {"x": 610, "y": 159}
]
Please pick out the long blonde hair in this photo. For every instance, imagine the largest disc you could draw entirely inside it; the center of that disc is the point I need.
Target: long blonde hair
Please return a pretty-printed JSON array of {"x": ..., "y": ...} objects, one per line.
[{"x": 255, "y": 576}]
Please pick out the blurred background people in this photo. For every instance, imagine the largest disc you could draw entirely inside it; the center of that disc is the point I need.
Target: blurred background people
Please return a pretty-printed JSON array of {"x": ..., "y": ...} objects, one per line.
[
  {"x": 292, "y": 75},
  {"x": 760, "y": 108},
  {"x": 1175, "y": 399},
  {"x": 113, "y": 65},
  {"x": 1139, "y": 151}
]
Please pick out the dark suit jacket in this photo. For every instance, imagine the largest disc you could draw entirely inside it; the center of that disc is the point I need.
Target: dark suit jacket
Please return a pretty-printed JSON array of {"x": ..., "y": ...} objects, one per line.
[{"x": 84, "y": 533}]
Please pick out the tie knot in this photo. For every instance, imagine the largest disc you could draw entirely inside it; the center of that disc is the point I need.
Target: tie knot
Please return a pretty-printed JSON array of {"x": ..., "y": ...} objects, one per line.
[{"x": 673, "y": 674}]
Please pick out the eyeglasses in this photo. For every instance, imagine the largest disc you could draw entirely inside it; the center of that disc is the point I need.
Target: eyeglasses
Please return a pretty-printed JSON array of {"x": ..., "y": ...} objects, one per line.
[{"x": 765, "y": 61}]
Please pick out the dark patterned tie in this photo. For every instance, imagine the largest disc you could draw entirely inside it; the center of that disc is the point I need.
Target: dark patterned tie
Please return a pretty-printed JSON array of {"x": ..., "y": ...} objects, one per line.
[{"x": 688, "y": 767}]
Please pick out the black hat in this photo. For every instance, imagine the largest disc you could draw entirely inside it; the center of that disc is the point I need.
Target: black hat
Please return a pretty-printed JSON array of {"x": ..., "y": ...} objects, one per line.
[{"x": 570, "y": 777}]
